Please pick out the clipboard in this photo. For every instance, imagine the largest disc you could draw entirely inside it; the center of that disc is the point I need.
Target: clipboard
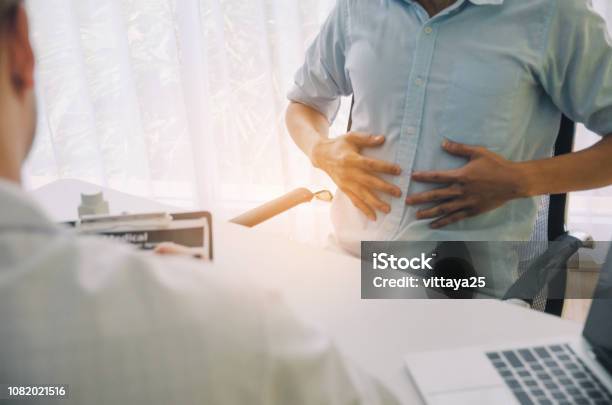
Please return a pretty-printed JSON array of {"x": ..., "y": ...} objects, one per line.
[{"x": 146, "y": 231}]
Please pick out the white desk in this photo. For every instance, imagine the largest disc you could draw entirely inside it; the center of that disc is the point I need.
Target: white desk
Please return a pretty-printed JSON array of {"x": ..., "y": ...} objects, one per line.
[{"x": 324, "y": 289}]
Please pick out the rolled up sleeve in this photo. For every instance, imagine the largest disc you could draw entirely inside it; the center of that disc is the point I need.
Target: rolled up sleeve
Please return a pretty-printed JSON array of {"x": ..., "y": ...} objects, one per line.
[
  {"x": 577, "y": 68},
  {"x": 323, "y": 78}
]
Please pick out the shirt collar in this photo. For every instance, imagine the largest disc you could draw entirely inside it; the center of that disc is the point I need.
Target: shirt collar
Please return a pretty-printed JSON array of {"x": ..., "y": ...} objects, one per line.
[
  {"x": 475, "y": 2},
  {"x": 487, "y": 2},
  {"x": 19, "y": 209}
]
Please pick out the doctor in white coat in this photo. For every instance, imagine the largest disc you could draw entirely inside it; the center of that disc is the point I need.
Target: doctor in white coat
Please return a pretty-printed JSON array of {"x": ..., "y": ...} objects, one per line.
[{"x": 121, "y": 327}]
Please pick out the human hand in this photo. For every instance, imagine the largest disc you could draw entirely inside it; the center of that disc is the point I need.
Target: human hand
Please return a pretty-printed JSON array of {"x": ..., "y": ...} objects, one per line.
[
  {"x": 173, "y": 249},
  {"x": 485, "y": 183},
  {"x": 355, "y": 174}
]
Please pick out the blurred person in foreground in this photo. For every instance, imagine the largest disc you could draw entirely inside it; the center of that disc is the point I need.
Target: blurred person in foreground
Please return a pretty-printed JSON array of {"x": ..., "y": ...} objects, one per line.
[{"x": 123, "y": 327}]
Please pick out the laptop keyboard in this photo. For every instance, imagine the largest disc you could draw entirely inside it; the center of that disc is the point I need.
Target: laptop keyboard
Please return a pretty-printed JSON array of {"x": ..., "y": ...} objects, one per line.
[{"x": 549, "y": 375}]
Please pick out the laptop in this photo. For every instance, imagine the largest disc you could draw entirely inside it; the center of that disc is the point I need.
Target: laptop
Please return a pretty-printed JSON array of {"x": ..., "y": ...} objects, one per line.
[{"x": 575, "y": 370}]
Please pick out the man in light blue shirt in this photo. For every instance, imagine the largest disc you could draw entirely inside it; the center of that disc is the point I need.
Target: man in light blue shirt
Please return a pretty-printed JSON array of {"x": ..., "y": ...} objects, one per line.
[{"x": 457, "y": 108}]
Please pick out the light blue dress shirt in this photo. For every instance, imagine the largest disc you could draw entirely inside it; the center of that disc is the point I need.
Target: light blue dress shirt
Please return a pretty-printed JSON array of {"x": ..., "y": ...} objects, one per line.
[{"x": 484, "y": 72}]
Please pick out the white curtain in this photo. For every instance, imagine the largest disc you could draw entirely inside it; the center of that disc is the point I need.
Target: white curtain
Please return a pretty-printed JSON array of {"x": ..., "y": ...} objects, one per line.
[{"x": 182, "y": 101}]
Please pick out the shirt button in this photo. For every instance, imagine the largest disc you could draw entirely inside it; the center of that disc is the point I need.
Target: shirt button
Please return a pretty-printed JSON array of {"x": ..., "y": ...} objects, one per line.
[
  {"x": 419, "y": 82},
  {"x": 428, "y": 30}
]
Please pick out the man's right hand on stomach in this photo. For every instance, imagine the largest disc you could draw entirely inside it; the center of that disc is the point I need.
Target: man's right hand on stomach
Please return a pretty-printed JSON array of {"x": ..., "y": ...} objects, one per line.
[{"x": 356, "y": 175}]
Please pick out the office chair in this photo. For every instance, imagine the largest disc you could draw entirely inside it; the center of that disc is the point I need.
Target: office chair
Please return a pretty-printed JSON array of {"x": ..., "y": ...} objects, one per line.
[{"x": 550, "y": 226}]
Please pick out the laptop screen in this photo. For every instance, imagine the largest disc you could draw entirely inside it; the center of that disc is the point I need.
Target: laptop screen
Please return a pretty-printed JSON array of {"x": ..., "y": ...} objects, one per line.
[{"x": 598, "y": 328}]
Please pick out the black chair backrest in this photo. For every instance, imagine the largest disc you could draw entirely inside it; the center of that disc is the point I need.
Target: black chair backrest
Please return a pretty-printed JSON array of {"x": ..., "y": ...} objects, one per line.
[
  {"x": 350, "y": 120},
  {"x": 557, "y": 211},
  {"x": 557, "y": 215}
]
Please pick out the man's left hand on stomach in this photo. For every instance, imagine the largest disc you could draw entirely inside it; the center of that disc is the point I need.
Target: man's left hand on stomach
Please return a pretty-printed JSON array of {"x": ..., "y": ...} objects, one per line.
[{"x": 485, "y": 183}]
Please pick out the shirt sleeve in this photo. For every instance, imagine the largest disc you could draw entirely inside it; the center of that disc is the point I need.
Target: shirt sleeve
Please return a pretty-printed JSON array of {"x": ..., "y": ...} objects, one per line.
[
  {"x": 323, "y": 78},
  {"x": 577, "y": 70},
  {"x": 305, "y": 367}
]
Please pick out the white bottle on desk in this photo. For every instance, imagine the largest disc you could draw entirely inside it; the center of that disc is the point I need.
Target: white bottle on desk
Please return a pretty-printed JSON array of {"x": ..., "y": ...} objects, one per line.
[{"x": 93, "y": 204}]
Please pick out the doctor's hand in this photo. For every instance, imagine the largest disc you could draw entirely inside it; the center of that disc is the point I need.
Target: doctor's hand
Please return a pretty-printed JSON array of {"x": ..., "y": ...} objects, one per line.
[
  {"x": 356, "y": 175},
  {"x": 485, "y": 183},
  {"x": 173, "y": 249}
]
